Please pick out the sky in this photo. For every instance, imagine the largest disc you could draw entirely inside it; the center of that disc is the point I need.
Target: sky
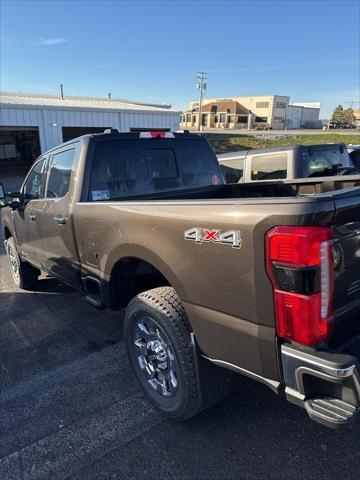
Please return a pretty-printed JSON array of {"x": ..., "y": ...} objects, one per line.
[{"x": 151, "y": 51}]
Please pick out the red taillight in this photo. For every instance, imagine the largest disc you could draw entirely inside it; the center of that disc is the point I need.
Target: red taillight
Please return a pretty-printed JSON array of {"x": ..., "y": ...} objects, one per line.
[{"x": 300, "y": 264}]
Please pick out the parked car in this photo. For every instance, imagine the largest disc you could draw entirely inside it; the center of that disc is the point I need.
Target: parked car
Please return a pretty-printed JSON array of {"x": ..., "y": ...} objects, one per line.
[
  {"x": 257, "y": 279},
  {"x": 287, "y": 163}
]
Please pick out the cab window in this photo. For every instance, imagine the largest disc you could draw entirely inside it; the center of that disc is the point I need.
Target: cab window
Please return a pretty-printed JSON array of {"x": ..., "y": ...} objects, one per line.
[
  {"x": 269, "y": 167},
  {"x": 35, "y": 183},
  {"x": 60, "y": 174}
]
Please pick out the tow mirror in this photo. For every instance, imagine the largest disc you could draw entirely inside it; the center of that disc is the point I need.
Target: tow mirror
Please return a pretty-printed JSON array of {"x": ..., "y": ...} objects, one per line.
[{"x": 2, "y": 196}]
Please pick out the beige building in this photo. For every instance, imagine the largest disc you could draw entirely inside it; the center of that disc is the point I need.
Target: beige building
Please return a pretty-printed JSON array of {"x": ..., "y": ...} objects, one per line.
[{"x": 265, "y": 111}]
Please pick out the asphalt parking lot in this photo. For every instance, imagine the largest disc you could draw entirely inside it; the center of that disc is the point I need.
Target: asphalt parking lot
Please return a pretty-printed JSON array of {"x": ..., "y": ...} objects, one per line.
[{"x": 70, "y": 408}]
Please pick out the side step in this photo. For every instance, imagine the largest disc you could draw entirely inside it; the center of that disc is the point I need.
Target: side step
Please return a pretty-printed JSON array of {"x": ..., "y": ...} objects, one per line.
[
  {"x": 329, "y": 411},
  {"x": 94, "y": 300}
]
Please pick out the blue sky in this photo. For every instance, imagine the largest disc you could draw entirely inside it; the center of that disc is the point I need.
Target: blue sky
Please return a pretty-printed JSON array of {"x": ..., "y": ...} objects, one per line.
[{"x": 152, "y": 50}]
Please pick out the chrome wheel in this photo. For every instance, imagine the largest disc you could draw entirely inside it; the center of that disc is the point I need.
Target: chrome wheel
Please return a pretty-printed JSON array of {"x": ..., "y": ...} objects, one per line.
[
  {"x": 14, "y": 264},
  {"x": 156, "y": 357}
]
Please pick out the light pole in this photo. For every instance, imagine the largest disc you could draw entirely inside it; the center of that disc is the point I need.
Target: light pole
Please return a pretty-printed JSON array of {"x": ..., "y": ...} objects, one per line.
[{"x": 201, "y": 85}]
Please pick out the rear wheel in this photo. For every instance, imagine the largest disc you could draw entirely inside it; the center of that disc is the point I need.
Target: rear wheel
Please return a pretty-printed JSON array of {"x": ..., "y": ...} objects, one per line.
[
  {"x": 162, "y": 353},
  {"x": 24, "y": 275}
]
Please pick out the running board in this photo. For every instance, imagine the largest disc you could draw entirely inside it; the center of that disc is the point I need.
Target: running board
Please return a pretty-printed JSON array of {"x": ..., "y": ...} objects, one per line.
[{"x": 330, "y": 411}]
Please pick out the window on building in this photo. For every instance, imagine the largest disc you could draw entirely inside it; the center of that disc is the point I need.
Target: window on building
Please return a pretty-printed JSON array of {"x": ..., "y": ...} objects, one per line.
[
  {"x": 261, "y": 119},
  {"x": 242, "y": 119},
  {"x": 262, "y": 104},
  {"x": 34, "y": 185},
  {"x": 216, "y": 119},
  {"x": 222, "y": 117},
  {"x": 266, "y": 167},
  {"x": 60, "y": 174},
  {"x": 279, "y": 119},
  {"x": 188, "y": 117},
  {"x": 280, "y": 105},
  {"x": 214, "y": 108}
]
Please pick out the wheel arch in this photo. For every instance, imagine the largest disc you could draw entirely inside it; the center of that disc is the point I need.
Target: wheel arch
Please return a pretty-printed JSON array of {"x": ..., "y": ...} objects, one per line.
[{"x": 136, "y": 272}]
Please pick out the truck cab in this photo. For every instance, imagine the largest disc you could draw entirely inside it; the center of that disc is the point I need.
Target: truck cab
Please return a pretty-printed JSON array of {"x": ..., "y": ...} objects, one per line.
[{"x": 286, "y": 163}]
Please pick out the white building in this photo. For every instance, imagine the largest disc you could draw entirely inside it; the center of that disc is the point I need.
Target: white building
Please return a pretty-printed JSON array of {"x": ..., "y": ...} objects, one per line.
[{"x": 33, "y": 123}]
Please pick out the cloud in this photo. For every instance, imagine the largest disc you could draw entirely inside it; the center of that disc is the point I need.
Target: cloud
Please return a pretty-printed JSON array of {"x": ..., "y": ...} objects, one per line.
[{"x": 53, "y": 41}]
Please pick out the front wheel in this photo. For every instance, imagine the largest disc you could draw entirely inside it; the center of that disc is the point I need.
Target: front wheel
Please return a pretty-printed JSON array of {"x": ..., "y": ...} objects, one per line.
[{"x": 25, "y": 276}]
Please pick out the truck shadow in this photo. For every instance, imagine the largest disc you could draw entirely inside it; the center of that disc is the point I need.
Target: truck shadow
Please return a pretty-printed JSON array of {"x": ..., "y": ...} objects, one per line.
[{"x": 50, "y": 326}]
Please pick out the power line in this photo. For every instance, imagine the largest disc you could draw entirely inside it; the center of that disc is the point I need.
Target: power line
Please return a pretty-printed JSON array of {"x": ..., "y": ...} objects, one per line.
[{"x": 201, "y": 85}]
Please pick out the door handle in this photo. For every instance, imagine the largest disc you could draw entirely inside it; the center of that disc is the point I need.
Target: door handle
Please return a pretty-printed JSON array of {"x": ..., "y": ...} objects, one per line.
[
  {"x": 32, "y": 217},
  {"x": 60, "y": 220}
]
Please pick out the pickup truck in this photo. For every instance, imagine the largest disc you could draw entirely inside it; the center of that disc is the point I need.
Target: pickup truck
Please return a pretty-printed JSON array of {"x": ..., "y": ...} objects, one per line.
[
  {"x": 257, "y": 279},
  {"x": 287, "y": 163}
]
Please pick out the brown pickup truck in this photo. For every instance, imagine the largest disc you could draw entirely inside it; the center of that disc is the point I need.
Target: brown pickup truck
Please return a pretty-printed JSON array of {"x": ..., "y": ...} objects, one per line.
[{"x": 260, "y": 279}]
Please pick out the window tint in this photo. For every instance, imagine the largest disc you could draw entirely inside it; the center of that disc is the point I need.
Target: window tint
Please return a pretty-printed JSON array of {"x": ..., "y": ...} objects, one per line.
[
  {"x": 266, "y": 167},
  {"x": 35, "y": 183},
  {"x": 324, "y": 161},
  {"x": 132, "y": 167},
  {"x": 60, "y": 174}
]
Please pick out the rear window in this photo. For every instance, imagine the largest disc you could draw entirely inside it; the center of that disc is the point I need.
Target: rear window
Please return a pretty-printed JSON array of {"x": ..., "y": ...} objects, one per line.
[
  {"x": 130, "y": 168},
  {"x": 269, "y": 166},
  {"x": 324, "y": 161}
]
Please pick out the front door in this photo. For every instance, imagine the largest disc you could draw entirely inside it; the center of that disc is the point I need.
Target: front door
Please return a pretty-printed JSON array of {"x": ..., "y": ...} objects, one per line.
[
  {"x": 58, "y": 242},
  {"x": 26, "y": 218}
]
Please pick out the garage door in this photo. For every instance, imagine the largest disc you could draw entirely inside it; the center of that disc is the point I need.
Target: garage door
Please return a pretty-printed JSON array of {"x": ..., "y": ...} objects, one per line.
[{"x": 19, "y": 144}]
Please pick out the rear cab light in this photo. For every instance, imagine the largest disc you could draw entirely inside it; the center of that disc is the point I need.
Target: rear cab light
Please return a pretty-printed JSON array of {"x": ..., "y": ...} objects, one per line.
[
  {"x": 300, "y": 265},
  {"x": 156, "y": 134}
]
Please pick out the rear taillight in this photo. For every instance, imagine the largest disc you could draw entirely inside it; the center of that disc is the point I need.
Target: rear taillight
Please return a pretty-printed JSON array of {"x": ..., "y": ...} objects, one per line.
[{"x": 299, "y": 262}]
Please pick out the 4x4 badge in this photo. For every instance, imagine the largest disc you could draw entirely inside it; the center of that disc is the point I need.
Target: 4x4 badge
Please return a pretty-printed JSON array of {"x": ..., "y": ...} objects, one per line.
[{"x": 200, "y": 235}]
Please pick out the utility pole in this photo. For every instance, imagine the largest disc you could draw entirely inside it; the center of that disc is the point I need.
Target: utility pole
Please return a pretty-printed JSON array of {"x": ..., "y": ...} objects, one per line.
[
  {"x": 62, "y": 91},
  {"x": 201, "y": 85}
]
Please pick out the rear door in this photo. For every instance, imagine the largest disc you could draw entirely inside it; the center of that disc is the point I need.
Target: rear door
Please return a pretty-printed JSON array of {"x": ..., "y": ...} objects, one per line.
[{"x": 58, "y": 243}]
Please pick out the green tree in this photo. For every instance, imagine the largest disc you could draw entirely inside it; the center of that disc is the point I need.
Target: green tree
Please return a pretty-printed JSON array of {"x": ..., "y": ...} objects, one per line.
[
  {"x": 349, "y": 116},
  {"x": 338, "y": 115}
]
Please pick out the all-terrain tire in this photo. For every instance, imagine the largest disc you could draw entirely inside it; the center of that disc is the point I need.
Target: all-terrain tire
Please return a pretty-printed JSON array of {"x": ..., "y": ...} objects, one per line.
[{"x": 162, "y": 309}]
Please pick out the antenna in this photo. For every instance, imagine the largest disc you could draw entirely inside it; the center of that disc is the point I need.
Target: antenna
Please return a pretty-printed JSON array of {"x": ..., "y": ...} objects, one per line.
[{"x": 62, "y": 91}]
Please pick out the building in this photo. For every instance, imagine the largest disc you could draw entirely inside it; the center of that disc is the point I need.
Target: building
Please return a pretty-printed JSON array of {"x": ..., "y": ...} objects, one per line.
[
  {"x": 31, "y": 124},
  {"x": 357, "y": 118},
  {"x": 266, "y": 111}
]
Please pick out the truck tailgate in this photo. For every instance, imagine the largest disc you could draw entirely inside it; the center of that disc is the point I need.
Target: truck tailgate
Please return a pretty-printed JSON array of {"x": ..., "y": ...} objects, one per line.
[{"x": 346, "y": 223}]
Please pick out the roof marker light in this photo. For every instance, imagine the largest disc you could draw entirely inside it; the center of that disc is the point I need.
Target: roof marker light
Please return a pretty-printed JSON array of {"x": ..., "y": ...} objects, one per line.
[{"x": 155, "y": 134}]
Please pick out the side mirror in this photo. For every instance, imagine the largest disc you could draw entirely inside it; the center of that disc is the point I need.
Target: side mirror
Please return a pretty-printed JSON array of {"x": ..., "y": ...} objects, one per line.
[
  {"x": 15, "y": 197},
  {"x": 2, "y": 196}
]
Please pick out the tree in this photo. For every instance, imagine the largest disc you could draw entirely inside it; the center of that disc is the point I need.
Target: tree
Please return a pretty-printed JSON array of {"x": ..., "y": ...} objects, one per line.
[
  {"x": 349, "y": 116},
  {"x": 338, "y": 115}
]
